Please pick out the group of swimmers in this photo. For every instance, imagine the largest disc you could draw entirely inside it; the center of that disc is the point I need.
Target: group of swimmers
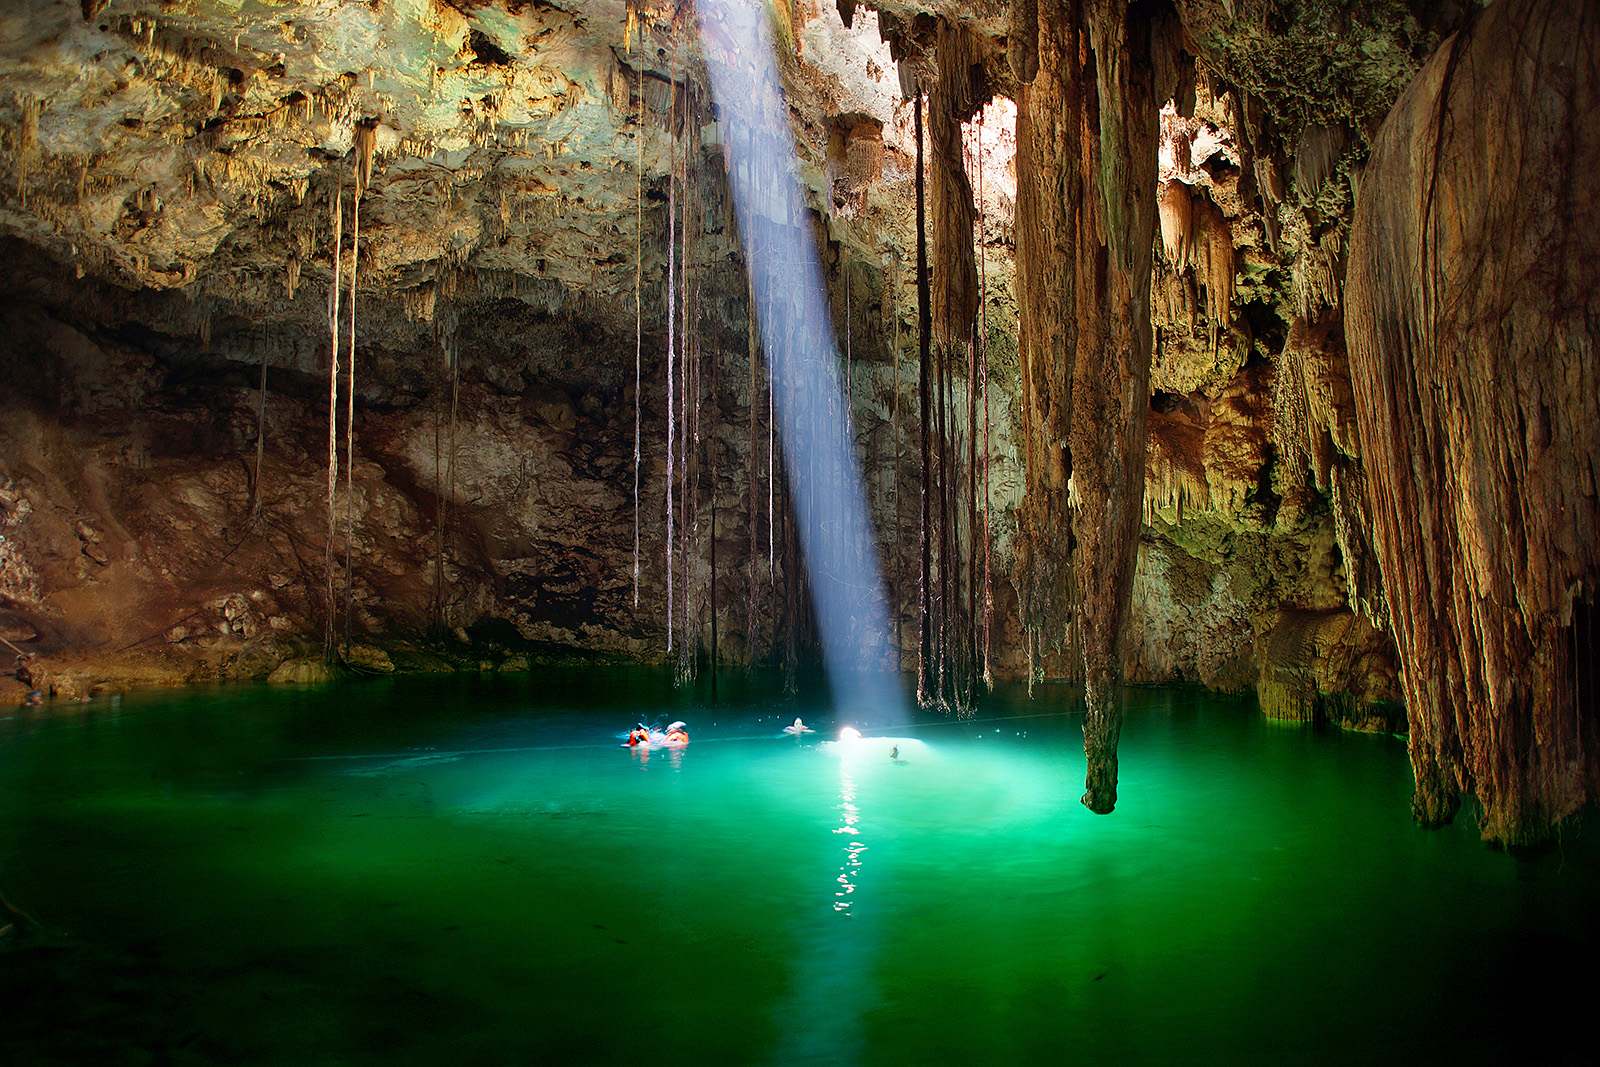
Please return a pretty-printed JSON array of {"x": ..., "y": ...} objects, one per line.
[{"x": 674, "y": 734}]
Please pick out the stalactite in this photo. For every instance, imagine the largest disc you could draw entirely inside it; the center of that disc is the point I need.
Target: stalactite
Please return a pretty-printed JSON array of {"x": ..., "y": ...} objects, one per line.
[
  {"x": 1316, "y": 156},
  {"x": 1176, "y": 210},
  {"x": 27, "y": 141},
  {"x": 1212, "y": 228},
  {"x": 1472, "y": 302},
  {"x": 333, "y": 414},
  {"x": 1111, "y": 406},
  {"x": 1315, "y": 278},
  {"x": 956, "y": 95},
  {"x": 1022, "y": 48},
  {"x": 1051, "y": 185}
]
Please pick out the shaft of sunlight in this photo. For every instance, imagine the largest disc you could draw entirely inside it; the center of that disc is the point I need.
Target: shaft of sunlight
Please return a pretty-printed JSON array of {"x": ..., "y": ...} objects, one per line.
[{"x": 836, "y": 534}]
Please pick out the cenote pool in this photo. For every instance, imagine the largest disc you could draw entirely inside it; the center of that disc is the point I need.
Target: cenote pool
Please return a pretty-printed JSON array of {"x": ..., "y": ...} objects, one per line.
[{"x": 472, "y": 871}]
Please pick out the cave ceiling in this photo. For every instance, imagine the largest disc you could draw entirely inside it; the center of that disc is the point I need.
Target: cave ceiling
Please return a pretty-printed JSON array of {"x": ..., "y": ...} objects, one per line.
[{"x": 191, "y": 147}]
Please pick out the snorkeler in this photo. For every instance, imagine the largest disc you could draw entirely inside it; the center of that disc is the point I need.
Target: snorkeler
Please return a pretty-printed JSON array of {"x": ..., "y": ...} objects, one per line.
[
  {"x": 639, "y": 736},
  {"x": 798, "y": 728},
  {"x": 677, "y": 735}
]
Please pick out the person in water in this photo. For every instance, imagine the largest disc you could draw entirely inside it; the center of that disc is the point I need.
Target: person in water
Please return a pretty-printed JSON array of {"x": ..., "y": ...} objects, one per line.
[
  {"x": 798, "y": 728},
  {"x": 639, "y": 736},
  {"x": 677, "y": 735}
]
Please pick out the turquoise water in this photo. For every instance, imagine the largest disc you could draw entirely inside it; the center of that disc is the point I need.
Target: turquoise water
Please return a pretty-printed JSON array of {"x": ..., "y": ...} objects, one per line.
[{"x": 472, "y": 871}]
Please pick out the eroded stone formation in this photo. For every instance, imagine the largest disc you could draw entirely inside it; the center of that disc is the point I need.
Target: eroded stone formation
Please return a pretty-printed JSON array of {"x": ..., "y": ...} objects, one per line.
[
  {"x": 1141, "y": 433},
  {"x": 1474, "y": 294}
]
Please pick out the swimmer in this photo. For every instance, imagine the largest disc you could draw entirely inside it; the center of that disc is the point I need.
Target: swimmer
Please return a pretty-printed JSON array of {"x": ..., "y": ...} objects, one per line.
[
  {"x": 894, "y": 753},
  {"x": 798, "y": 728},
  {"x": 677, "y": 735},
  {"x": 639, "y": 736}
]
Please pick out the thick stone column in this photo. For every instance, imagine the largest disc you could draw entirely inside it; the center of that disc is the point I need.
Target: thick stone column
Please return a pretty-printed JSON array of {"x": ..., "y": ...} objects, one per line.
[{"x": 1473, "y": 308}]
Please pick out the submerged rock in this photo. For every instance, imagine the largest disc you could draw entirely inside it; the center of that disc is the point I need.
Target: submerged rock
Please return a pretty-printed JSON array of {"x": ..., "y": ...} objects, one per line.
[{"x": 302, "y": 671}]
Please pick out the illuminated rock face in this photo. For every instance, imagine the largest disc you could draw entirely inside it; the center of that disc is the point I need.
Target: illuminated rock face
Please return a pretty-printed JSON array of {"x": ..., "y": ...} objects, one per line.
[{"x": 1474, "y": 298}]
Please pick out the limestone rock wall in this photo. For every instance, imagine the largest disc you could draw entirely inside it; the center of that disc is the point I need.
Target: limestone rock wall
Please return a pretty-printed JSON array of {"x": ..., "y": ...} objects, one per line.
[{"x": 1473, "y": 297}]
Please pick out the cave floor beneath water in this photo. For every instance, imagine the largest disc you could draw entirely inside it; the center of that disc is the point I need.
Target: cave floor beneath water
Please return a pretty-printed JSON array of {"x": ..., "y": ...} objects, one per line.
[{"x": 472, "y": 870}]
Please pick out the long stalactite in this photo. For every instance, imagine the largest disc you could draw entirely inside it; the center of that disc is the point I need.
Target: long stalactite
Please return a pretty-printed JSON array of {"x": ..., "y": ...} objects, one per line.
[
  {"x": 672, "y": 329},
  {"x": 1473, "y": 298},
  {"x": 925, "y": 652},
  {"x": 337, "y": 207},
  {"x": 1050, "y": 186},
  {"x": 365, "y": 140},
  {"x": 1111, "y": 376},
  {"x": 1088, "y": 124}
]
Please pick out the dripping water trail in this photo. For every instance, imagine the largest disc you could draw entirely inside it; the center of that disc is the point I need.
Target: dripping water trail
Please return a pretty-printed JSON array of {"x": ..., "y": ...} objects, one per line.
[
  {"x": 333, "y": 418},
  {"x": 970, "y": 629},
  {"x": 638, "y": 324},
  {"x": 924, "y": 403},
  {"x": 450, "y": 456},
  {"x": 672, "y": 327},
  {"x": 772, "y": 429},
  {"x": 261, "y": 431},
  {"x": 983, "y": 350},
  {"x": 711, "y": 577},
  {"x": 942, "y": 618},
  {"x": 687, "y": 516},
  {"x": 350, "y": 405},
  {"x": 438, "y": 488},
  {"x": 897, "y": 589},
  {"x": 752, "y": 558}
]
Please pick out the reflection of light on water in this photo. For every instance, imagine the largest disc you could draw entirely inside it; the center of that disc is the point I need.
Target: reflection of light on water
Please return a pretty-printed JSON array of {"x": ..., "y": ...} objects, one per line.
[
  {"x": 672, "y": 753},
  {"x": 850, "y": 814}
]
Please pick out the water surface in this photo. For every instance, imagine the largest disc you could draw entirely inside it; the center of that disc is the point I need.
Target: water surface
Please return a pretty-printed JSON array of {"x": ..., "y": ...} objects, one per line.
[{"x": 472, "y": 870}]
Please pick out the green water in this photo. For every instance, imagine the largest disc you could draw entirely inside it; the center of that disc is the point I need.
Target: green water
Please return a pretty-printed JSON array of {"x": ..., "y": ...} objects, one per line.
[{"x": 472, "y": 871}]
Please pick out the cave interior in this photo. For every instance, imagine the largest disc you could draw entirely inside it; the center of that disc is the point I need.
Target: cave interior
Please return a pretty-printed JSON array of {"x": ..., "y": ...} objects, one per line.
[{"x": 1242, "y": 343}]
